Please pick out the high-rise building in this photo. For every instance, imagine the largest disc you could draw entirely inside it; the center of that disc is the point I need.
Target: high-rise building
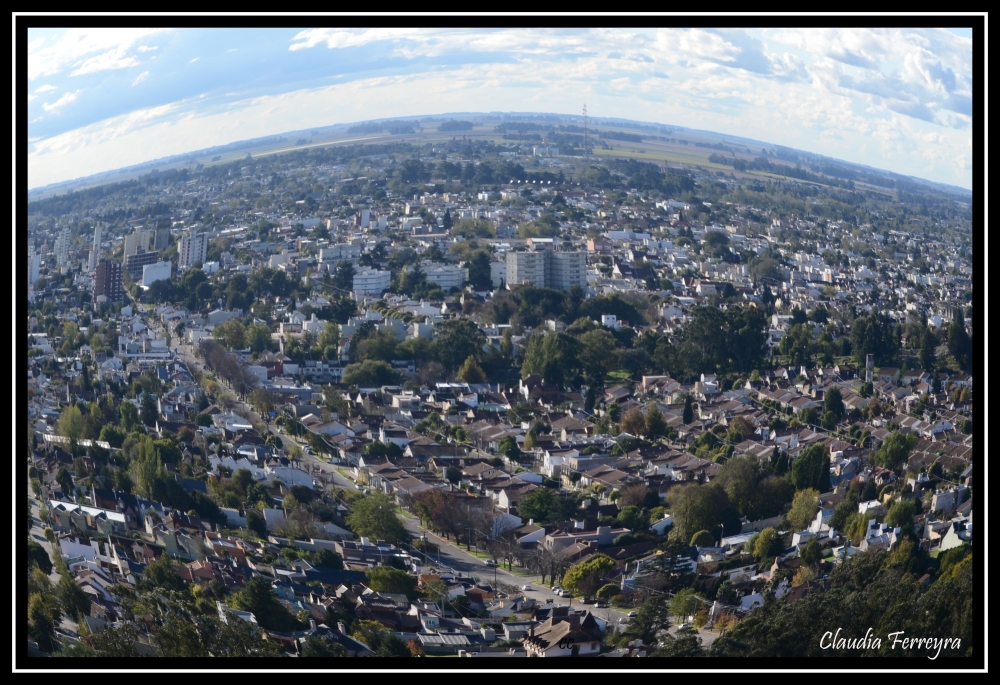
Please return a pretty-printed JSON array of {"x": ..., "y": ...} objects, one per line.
[
  {"x": 34, "y": 264},
  {"x": 95, "y": 250},
  {"x": 108, "y": 280},
  {"x": 138, "y": 241},
  {"x": 547, "y": 269},
  {"x": 192, "y": 248},
  {"x": 134, "y": 263},
  {"x": 162, "y": 237},
  {"x": 62, "y": 247}
]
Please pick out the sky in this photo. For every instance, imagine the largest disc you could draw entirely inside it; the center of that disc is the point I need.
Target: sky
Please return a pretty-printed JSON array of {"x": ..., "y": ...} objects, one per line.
[{"x": 896, "y": 99}]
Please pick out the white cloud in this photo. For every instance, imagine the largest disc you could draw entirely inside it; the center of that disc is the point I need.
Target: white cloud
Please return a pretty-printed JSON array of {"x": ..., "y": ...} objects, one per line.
[
  {"x": 64, "y": 100},
  {"x": 35, "y": 44},
  {"x": 147, "y": 48},
  {"x": 44, "y": 89},
  {"x": 140, "y": 78},
  {"x": 112, "y": 59},
  {"x": 194, "y": 60},
  {"x": 74, "y": 47},
  {"x": 31, "y": 97}
]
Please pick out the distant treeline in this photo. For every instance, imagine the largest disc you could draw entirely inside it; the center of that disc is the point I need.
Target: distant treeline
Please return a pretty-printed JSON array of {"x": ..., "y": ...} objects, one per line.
[
  {"x": 395, "y": 128},
  {"x": 453, "y": 125}
]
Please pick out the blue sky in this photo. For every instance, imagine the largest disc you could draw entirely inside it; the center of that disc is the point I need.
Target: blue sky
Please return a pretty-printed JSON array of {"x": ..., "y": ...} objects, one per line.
[{"x": 898, "y": 99}]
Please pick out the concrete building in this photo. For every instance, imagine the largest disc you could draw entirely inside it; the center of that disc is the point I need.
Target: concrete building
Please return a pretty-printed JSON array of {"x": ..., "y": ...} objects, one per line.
[
  {"x": 108, "y": 280},
  {"x": 158, "y": 271},
  {"x": 135, "y": 263},
  {"x": 34, "y": 264},
  {"x": 193, "y": 248},
  {"x": 498, "y": 273},
  {"x": 95, "y": 250},
  {"x": 526, "y": 268},
  {"x": 548, "y": 269},
  {"x": 371, "y": 281},
  {"x": 138, "y": 241},
  {"x": 62, "y": 247},
  {"x": 445, "y": 275},
  {"x": 161, "y": 238}
]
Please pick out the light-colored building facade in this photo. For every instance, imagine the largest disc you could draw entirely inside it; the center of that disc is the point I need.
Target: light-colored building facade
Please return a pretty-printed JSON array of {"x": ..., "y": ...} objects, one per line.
[
  {"x": 193, "y": 248},
  {"x": 548, "y": 269},
  {"x": 371, "y": 281}
]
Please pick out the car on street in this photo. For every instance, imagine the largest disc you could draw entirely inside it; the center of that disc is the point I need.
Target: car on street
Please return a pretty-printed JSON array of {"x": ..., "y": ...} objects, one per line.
[
  {"x": 631, "y": 614},
  {"x": 525, "y": 587},
  {"x": 683, "y": 626}
]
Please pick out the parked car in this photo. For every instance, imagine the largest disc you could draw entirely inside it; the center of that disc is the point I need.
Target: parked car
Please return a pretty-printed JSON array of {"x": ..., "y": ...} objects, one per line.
[
  {"x": 525, "y": 587},
  {"x": 631, "y": 614},
  {"x": 683, "y": 626}
]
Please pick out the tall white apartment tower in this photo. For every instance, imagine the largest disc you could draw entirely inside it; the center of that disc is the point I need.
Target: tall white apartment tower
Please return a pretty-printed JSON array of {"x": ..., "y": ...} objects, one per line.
[
  {"x": 62, "y": 247},
  {"x": 192, "y": 248},
  {"x": 95, "y": 250}
]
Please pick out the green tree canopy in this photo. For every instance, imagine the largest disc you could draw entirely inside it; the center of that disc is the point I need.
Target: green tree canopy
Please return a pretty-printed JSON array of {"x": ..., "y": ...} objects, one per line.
[
  {"x": 589, "y": 575},
  {"x": 374, "y": 516}
]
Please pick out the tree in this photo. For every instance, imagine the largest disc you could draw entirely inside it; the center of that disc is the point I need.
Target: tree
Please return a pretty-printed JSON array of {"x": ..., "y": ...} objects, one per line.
[
  {"x": 480, "y": 273},
  {"x": 702, "y": 539},
  {"x": 471, "y": 372},
  {"x": 901, "y": 514},
  {"x": 71, "y": 424},
  {"x": 65, "y": 481},
  {"x": 235, "y": 637},
  {"x": 895, "y": 450},
  {"x": 633, "y": 518},
  {"x": 544, "y": 506},
  {"x": 634, "y": 423},
  {"x": 329, "y": 336},
  {"x": 768, "y": 545},
  {"x": 148, "y": 411},
  {"x": 456, "y": 340},
  {"x": 73, "y": 600},
  {"x": 259, "y": 598},
  {"x": 959, "y": 343},
  {"x": 374, "y": 516},
  {"x": 393, "y": 647},
  {"x": 147, "y": 468},
  {"x": 42, "y": 628},
  {"x": 370, "y": 373},
  {"x": 804, "y": 506},
  {"x": 656, "y": 425},
  {"x": 129, "y": 416},
  {"x": 179, "y": 637},
  {"x": 343, "y": 276},
  {"x": 685, "y": 602},
  {"x": 117, "y": 643},
  {"x": 928, "y": 344},
  {"x": 688, "y": 410},
  {"x": 326, "y": 558},
  {"x": 811, "y": 469},
  {"x": 651, "y": 618},
  {"x": 370, "y": 633},
  {"x": 587, "y": 576},
  {"x": 256, "y": 524},
  {"x": 38, "y": 556},
  {"x": 834, "y": 402},
  {"x": 388, "y": 579},
  {"x": 322, "y": 646},
  {"x": 699, "y": 507},
  {"x": 812, "y": 553},
  {"x": 685, "y": 643}
]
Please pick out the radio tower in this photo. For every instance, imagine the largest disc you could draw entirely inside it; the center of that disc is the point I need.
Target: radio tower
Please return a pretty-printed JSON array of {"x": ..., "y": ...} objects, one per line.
[{"x": 586, "y": 133}]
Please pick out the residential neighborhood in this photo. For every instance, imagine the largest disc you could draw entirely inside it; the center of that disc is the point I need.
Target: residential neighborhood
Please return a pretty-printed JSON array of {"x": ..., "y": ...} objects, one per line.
[{"x": 483, "y": 399}]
